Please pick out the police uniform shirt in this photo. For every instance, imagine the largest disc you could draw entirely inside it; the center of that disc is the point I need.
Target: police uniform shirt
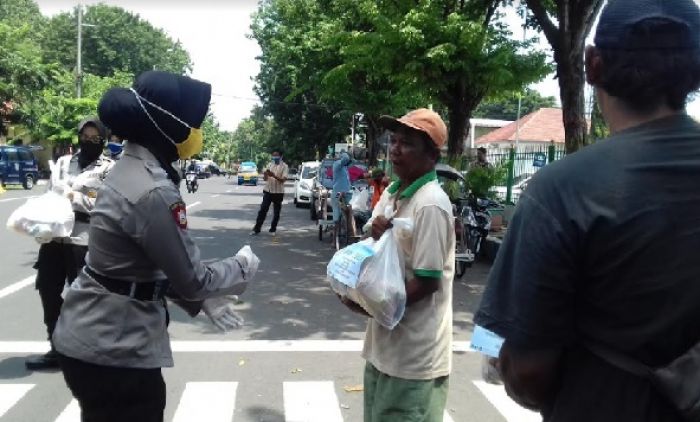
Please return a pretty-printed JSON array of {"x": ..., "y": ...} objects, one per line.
[
  {"x": 83, "y": 184},
  {"x": 138, "y": 233}
]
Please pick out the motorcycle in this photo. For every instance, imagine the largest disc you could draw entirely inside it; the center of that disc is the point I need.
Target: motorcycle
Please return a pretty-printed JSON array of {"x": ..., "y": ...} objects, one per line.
[
  {"x": 478, "y": 221},
  {"x": 464, "y": 256},
  {"x": 191, "y": 181}
]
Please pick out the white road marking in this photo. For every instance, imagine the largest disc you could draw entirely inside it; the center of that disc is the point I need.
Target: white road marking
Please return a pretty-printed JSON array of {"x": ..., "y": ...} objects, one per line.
[
  {"x": 194, "y": 204},
  {"x": 12, "y": 288},
  {"x": 311, "y": 401},
  {"x": 238, "y": 346},
  {"x": 11, "y": 394},
  {"x": 207, "y": 401},
  {"x": 510, "y": 410},
  {"x": 216, "y": 196},
  {"x": 17, "y": 199},
  {"x": 229, "y": 191},
  {"x": 71, "y": 413},
  {"x": 446, "y": 417}
]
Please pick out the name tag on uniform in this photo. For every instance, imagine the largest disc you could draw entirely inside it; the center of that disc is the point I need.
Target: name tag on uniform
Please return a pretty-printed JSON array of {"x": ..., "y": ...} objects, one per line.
[{"x": 486, "y": 342}]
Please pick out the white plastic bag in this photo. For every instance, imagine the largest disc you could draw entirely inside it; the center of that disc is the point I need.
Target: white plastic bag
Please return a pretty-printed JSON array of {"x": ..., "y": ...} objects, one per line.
[
  {"x": 44, "y": 217},
  {"x": 360, "y": 200},
  {"x": 379, "y": 287}
]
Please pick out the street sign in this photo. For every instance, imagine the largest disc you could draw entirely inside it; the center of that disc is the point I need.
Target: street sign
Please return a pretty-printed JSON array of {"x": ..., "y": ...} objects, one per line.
[{"x": 540, "y": 160}]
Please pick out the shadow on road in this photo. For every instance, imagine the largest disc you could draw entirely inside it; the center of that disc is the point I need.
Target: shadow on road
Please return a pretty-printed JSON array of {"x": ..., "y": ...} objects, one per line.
[
  {"x": 13, "y": 368},
  {"x": 290, "y": 297}
]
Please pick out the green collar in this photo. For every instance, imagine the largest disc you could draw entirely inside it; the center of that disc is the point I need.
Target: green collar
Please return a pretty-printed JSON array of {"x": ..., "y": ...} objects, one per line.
[{"x": 413, "y": 188}]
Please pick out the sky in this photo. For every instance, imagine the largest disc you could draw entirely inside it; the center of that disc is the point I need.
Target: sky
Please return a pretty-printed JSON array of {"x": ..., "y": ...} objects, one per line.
[{"x": 214, "y": 32}]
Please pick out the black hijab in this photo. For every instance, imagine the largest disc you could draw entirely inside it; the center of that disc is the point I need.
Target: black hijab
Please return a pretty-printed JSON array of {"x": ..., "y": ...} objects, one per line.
[{"x": 186, "y": 98}]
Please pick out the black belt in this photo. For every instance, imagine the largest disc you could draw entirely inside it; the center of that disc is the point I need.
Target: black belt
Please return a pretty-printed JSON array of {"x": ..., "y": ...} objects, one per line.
[
  {"x": 147, "y": 291},
  {"x": 83, "y": 217}
]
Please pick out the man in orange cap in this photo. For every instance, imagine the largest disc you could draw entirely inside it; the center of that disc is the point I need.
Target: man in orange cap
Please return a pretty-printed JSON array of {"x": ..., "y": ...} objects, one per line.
[{"x": 406, "y": 376}]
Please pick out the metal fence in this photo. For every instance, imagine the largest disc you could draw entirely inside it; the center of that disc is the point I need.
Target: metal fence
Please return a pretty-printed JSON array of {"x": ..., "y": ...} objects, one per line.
[{"x": 522, "y": 164}]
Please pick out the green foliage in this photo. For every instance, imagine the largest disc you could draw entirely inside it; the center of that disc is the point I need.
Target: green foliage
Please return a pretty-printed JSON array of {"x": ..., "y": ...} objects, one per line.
[
  {"x": 599, "y": 129},
  {"x": 20, "y": 12},
  {"x": 505, "y": 107},
  {"x": 53, "y": 113},
  {"x": 295, "y": 57},
  {"x": 480, "y": 180},
  {"x": 38, "y": 56},
  {"x": 377, "y": 57},
  {"x": 120, "y": 41},
  {"x": 20, "y": 62}
]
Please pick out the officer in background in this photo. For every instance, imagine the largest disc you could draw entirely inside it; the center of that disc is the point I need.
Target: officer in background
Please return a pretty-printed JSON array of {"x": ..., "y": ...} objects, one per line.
[
  {"x": 115, "y": 147},
  {"x": 112, "y": 333},
  {"x": 61, "y": 259}
]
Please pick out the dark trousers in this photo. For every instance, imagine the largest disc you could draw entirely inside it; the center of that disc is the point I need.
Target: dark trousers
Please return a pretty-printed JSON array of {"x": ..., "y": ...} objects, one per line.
[
  {"x": 58, "y": 263},
  {"x": 269, "y": 198},
  {"x": 112, "y": 394}
]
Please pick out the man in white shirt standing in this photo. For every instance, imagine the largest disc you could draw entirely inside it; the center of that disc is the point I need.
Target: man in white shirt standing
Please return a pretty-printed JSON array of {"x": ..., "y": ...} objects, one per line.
[{"x": 275, "y": 175}]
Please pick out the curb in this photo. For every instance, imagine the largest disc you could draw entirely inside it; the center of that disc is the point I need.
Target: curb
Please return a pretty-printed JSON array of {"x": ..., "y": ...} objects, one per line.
[{"x": 491, "y": 247}]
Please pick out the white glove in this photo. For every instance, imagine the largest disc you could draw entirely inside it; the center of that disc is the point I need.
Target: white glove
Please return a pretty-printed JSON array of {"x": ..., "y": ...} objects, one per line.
[
  {"x": 221, "y": 313},
  {"x": 248, "y": 261}
]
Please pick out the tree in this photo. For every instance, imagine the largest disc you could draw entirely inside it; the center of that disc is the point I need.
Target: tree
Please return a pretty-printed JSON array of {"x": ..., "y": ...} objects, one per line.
[
  {"x": 19, "y": 12},
  {"x": 294, "y": 61},
  {"x": 575, "y": 19},
  {"x": 505, "y": 107},
  {"x": 377, "y": 57},
  {"x": 53, "y": 113},
  {"x": 21, "y": 66},
  {"x": 454, "y": 52},
  {"x": 120, "y": 40}
]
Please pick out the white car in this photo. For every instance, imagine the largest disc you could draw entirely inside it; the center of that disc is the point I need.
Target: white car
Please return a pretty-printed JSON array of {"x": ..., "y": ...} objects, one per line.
[
  {"x": 520, "y": 183},
  {"x": 304, "y": 184}
]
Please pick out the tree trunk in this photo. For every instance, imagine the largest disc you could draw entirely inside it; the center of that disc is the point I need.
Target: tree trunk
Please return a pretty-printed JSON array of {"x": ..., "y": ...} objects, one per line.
[
  {"x": 571, "y": 87},
  {"x": 458, "y": 113},
  {"x": 371, "y": 139}
]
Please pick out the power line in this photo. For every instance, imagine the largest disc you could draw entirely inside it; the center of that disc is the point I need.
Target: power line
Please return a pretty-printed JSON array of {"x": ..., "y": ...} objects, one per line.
[{"x": 259, "y": 101}]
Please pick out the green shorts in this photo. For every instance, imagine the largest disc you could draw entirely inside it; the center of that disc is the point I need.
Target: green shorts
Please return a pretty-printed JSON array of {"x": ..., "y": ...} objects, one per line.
[{"x": 391, "y": 399}]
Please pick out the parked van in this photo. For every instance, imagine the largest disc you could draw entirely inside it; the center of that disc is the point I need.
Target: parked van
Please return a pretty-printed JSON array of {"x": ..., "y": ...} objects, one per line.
[{"x": 18, "y": 166}]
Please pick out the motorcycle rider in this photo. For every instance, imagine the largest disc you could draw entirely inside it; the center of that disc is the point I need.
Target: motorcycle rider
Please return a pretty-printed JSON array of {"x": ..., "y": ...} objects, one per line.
[{"x": 194, "y": 183}]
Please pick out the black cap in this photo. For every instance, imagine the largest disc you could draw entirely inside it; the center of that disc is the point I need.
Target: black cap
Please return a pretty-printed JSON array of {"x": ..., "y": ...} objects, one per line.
[{"x": 620, "y": 18}]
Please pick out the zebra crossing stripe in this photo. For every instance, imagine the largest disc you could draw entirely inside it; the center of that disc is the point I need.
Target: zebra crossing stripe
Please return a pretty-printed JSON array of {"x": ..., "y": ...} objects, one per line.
[
  {"x": 447, "y": 418},
  {"x": 238, "y": 346},
  {"x": 71, "y": 413},
  {"x": 311, "y": 401},
  {"x": 15, "y": 287},
  {"x": 11, "y": 394},
  {"x": 207, "y": 401},
  {"x": 510, "y": 410}
]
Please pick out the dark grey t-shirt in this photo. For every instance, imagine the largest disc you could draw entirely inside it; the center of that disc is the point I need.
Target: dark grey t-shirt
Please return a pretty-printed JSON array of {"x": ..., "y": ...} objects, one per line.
[{"x": 605, "y": 247}]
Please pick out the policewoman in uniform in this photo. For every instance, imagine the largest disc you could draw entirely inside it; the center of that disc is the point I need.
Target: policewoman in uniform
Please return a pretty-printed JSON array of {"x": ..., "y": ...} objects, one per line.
[
  {"x": 112, "y": 334},
  {"x": 60, "y": 259}
]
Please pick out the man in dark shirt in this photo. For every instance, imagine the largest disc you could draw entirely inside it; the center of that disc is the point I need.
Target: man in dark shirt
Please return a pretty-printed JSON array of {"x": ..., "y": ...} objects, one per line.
[{"x": 604, "y": 246}]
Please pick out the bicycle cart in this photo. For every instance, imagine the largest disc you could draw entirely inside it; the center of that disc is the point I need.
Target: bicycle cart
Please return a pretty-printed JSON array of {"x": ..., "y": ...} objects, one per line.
[{"x": 464, "y": 255}]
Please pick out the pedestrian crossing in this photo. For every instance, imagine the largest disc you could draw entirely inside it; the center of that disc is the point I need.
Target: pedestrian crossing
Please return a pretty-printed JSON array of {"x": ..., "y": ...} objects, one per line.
[{"x": 304, "y": 401}]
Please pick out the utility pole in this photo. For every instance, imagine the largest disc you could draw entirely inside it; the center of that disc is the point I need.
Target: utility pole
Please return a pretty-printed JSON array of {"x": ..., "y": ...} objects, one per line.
[{"x": 79, "y": 65}]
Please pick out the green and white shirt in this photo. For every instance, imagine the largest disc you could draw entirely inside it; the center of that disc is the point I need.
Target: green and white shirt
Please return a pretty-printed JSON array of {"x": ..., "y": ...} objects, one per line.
[{"x": 420, "y": 346}]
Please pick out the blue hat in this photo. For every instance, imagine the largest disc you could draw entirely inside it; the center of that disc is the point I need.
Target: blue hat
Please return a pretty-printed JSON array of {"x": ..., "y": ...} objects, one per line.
[{"x": 620, "y": 18}]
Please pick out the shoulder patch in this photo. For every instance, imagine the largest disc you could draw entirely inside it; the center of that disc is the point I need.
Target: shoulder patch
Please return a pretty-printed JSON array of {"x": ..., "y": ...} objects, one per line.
[{"x": 179, "y": 213}]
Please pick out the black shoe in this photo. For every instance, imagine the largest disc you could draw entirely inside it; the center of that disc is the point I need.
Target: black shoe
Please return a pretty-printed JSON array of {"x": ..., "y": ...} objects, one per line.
[
  {"x": 48, "y": 361},
  {"x": 254, "y": 233}
]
